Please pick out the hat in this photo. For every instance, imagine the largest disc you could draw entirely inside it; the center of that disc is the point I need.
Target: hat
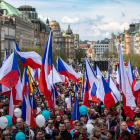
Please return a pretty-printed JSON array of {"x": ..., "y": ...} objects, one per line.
[
  {"x": 94, "y": 116},
  {"x": 125, "y": 133},
  {"x": 138, "y": 122},
  {"x": 112, "y": 132},
  {"x": 102, "y": 115}
]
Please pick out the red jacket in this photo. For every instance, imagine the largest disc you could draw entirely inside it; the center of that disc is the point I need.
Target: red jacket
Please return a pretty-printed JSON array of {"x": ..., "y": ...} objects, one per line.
[{"x": 132, "y": 137}]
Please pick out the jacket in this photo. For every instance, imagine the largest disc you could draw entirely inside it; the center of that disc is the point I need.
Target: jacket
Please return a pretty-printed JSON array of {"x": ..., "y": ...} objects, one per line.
[
  {"x": 66, "y": 135},
  {"x": 132, "y": 137}
]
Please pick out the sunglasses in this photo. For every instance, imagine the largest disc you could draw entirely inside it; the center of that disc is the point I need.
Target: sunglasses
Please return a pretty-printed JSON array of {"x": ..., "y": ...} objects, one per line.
[
  {"x": 50, "y": 123},
  {"x": 77, "y": 125}
]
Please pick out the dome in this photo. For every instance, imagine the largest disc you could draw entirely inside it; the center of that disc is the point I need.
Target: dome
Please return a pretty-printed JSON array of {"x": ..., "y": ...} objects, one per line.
[
  {"x": 69, "y": 31},
  {"x": 54, "y": 23}
]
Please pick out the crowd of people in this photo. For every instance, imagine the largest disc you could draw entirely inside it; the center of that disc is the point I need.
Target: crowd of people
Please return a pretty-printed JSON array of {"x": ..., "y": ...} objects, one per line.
[{"x": 108, "y": 124}]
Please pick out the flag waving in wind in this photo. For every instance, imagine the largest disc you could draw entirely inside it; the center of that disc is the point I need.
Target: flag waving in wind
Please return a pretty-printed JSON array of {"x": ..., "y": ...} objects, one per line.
[
  {"x": 9, "y": 72},
  {"x": 128, "y": 97},
  {"x": 46, "y": 70},
  {"x": 65, "y": 69},
  {"x": 30, "y": 58}
]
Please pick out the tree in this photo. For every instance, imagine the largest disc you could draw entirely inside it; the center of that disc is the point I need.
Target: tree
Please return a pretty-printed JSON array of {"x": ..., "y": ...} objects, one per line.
[{"x": 80, "y": 53}]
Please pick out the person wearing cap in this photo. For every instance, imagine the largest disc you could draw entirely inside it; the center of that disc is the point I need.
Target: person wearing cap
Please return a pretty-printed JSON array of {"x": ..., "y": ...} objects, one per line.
[
  {"x": 111, "y": 135},
  {"x": 94, "y": 120},
  {"x": 125, "y": 135}
]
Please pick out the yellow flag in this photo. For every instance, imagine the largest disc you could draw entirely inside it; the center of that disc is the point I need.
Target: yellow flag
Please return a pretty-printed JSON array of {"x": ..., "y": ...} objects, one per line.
[{"x": 29, "y": 77}]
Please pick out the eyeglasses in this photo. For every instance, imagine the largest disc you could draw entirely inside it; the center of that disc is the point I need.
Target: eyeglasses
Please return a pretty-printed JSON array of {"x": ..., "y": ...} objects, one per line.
[
  {"x": 77, "y": 125},
  {"x": 50, "y": 123}
]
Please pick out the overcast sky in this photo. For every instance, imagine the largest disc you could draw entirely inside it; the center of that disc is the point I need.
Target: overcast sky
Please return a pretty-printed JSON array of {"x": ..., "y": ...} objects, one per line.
[{"x": 91, "y": 19}]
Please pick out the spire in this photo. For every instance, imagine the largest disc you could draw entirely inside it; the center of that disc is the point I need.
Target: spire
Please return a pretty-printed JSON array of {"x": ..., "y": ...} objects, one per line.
[{"x": 47, "y": 21}]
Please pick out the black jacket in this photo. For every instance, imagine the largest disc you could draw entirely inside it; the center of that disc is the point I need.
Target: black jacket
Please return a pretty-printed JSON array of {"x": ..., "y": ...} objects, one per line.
[{"x": 66, "y": 135}]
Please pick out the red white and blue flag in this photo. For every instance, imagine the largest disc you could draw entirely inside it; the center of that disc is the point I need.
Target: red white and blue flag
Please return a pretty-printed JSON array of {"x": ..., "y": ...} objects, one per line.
[
  {"x": 46, "y": 71},
  {"x": 131, "y": 78},
  {"x": 105, "y": 94},
  {"x": 9, "y": 72},
  {"x": 114, "y": 89},
  {"x": 30, "y": 58},
  {"x": 128, "y": 97},
  {"x": 27, "y": 110},
  {"x": 91, "y": 77},
  {"x": 65, "y": 69}
]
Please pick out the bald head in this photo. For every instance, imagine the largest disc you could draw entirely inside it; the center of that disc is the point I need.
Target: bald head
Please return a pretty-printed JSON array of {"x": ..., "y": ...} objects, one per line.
[{"x": 20, "y": 123}]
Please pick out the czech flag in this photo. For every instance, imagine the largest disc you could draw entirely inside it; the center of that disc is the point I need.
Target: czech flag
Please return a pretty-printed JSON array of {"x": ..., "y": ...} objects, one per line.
[
  {"x": 131, "y": 78},
  {"x": 105, "y": 94},
  {"x": 46, "y": 71},
  {"x": 116, "y": 92},
  {"x": 65, "y": 69},
  {"x": 9, "y": 72},
  {"x": 27, "y": 111},
  {"x": 30, "y": 58},
  {"x": 90, "y": 76},
  {"x": 37, "y": 74},
  {"x": 128, "y": 97},
  {"x": 93, "y": 93},
  {"x": 86, "y": 95}
]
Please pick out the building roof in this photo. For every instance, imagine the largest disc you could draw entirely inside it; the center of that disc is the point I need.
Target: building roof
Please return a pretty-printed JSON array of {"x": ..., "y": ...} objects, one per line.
[
  {"x": 54, "y": 23},
  {"x": 10, "y": 10},
  {"x": 69, "y": 31},
  {"x": 43, "y": 26},
  {"x": 90, "y": 50},
  {"x": 83, "y": 46}
]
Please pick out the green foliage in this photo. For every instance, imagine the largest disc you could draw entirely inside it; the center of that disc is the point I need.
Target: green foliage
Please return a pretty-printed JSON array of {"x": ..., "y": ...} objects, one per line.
[
  {"x": 80, "y": 53},
  {"x": 135, "y": 58}
]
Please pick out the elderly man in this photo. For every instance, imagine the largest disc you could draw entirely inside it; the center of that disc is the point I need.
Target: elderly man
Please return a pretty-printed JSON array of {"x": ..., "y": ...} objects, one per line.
[{"x": 20, "y": 128}]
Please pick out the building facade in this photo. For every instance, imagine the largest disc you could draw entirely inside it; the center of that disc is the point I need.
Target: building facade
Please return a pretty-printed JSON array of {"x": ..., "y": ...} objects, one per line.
[
  {"x": 7, "y": 34},
  {"x": 24, "y": 35},
  {"x": 101, "y": 48},
  {"x": 57, "y": 38},
  {"x": 41, "y": 30}
]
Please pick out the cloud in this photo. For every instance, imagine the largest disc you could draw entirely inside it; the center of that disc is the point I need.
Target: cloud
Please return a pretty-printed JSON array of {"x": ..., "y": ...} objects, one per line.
[
  {"x": 123, "y": 15},
  {"x": 105, "y": 34},
  {"x": 62, "y": 7},
  {"x": 115, "y": 1},
  {"x": 44, "y": 18},
  {"x": 95, "y": 33},
  {"x": 82, "y": 19},
  {"x": 112, "y": 26},
  {"x": 65, "y": 19}
]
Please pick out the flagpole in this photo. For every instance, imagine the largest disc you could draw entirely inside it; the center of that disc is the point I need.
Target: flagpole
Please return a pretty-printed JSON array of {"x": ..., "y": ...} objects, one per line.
[
  {"x": 29, "y": 133},
  {"x": 36, "y": 87},
  {"x": 120, "y": 111}
]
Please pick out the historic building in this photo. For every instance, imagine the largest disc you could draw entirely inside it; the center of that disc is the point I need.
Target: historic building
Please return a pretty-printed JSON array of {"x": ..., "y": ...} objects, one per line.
[
  {"x": 41, "y": 30},
  {"x": 7, "y": 34},
  {"x": 57, "y": 38},
  {"x": 24, "y": 35},
  {"x": 69, "y": 44}
]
